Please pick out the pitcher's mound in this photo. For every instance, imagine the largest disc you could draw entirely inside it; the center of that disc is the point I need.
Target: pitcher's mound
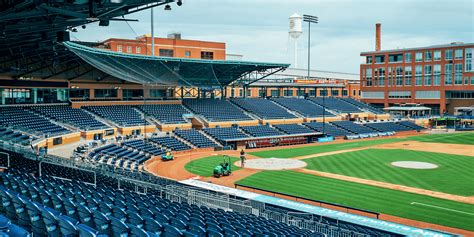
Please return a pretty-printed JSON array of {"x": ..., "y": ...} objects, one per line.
[
  {"x": 414, "y": 165},
  {"x": 273, "y": 164}
]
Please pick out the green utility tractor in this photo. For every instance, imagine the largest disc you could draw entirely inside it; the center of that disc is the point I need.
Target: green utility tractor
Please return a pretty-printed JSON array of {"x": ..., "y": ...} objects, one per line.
[
  {"x": 167, "y": 156},
  {"x": 224, "y": 168}
]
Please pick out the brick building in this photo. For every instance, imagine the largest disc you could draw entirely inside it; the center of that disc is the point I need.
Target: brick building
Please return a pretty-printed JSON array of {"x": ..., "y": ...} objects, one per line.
[{"x": 440, "y": 77}]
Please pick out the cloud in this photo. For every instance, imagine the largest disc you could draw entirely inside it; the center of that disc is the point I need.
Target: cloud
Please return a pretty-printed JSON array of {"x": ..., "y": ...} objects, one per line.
[{"x": 259, "y": 29}]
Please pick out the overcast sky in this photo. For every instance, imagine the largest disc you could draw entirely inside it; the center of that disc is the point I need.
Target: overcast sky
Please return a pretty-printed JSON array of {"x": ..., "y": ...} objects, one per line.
[{"x": 258, "y": 29}]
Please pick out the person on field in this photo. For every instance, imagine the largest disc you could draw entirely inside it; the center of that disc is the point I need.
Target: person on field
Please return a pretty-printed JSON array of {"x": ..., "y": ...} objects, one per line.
[{"x": 242, "y": 158}]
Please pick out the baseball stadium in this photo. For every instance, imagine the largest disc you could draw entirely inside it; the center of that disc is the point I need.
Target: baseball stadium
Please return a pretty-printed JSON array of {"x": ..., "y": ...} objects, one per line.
[{"x": 166, "y": 136}]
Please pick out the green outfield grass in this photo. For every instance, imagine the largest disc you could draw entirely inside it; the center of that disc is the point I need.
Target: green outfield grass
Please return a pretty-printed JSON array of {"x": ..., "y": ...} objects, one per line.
[
  {"x": 310, "y": 150},
  {"x": 397, "y": 203},
  {"x": 466, "y": 138},
  {"x": 205, "y": 166},
  {"x": 454, "y": 174}
]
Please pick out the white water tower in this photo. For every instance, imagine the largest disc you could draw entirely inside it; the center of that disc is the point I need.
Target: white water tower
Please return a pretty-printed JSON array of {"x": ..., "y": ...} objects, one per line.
[{"x": 296, "y": 29}]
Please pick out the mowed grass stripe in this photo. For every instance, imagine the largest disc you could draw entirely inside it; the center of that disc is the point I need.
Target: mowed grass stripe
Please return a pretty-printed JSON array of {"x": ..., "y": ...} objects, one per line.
[
  {"x": 309, "y": 150},
  {"x": 454, "y": 174},
  {"x": 205, "y": 166},
  {"x": 466, "y": 138},
  {"x": 362, "y": 196}
]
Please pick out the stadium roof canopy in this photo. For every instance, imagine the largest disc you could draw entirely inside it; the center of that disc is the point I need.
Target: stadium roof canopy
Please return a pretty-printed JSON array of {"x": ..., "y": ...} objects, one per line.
[
  {"x": 30, "y": 33},
  {"x": 144, "y": 69}
]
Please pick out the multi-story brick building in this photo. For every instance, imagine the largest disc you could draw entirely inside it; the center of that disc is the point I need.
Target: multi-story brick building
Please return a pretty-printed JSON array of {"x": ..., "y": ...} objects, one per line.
[
  {"x": 440, "y": 77},
  {"x": 173, "y": 46}
]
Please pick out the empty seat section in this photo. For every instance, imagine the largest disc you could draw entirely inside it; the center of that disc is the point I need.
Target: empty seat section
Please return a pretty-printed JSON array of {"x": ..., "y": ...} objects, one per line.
[
  {"x": 170, "y": 143},
  {"x": 387, "y": 127},
  {"x": 263, "y": 108},
  {"x": 261, "y": 131},
  {"x": 303, "y": 107},
  {"x": 196, "y": 138},
  {"x": 410, "y": 125},
  {"x": 354, "y": 127},
  {"x": 72, "y": 116},
  {"x": 216, "y": 110},
  {"x": 122, "y": 115},
  {"x": 166, "y": 113},
  {"x": 146, "y": 146},
  {"x": 328, "y": 129},
  {"x": 15, "y": 137},
  {"x": 25, "y": 120},
  {"x": 221, "y": 134},
  {"x": 363, "y": 105},
  {"x": 115, "y": 155},
  {"x": 293, "y": 128},
  {"x": 335, "y": 104}
]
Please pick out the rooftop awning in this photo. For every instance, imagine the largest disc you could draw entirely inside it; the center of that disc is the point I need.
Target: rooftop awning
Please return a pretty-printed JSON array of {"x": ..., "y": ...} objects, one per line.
[
  {"x": 407, "y": 108},
  {"x": 170, "y": 71}
]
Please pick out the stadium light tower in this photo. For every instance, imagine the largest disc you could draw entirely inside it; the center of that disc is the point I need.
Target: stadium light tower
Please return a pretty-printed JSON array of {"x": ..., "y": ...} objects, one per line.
[{"x": 310, "y": 19}]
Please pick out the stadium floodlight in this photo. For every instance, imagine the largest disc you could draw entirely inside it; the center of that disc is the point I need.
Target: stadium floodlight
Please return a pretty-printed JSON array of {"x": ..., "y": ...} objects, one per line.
[
  {"x": 310, "y": 19},
  {"x": 179, "y": 3},
  {"x": 167, "y": 7}
]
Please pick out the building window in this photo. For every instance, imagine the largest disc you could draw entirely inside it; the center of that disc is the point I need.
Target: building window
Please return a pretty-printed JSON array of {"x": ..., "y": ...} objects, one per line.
[
  {"x": 418, "y": 57},
  {"x": 448, "y": 54},
  {"x": 472, "y": 80},
  {"x": 428, "y": 56},
  {"x": 312, "y": 93},
  {"x": 344, "y": 93},
  {"x": 187, "y": 53},
  {"x": 353, "y": 92},
  {"x": 381, "y": 78},
  {"x": 368, "y": 77},
  {"x": 138, "y": 49},
  {"x": 437, "y": 55},
  {"x": 399, "y": 75},
  {"x": 418, "y": 75},
  {"x": 458, "y": 74},
  {"x": 207, "y": 55},
  {"x": 448, "y": 72},
  {"x": 166, "y": 53},
  {"x": 368, "y": 59},
  {"x": 105, "y": 93},
  {"x": 468, "y": 60},
  {"x": 323, "y": 92},
  {"x": 79, "y": 93},
  {"x": 288, "y": 92},
  {"x": 408, "y": 57},
  {"x": 119, "y": 48},
  {"x": 334, "y": 92},
  {"x": 241, "y": 92},
  {"x": 160, "y": 93},
  {"x": 275, "y": 93},
  {"x": 379, "y": 59},
  {"x": 408, "y": 76},
  {"x": 458, "y": 54},
  {"x": 132, "y": 93},
  {"x": 437, "y": 75},
  {"x": 428, "y": 72},
  {"x": 129, "y": 49},
  {"x": 393, "y": 58}
]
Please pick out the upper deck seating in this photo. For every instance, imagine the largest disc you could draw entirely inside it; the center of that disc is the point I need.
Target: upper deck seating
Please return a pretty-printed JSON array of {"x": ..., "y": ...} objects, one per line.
[
  {"x": 303, "y": 107},
  {"x": 27, "y": 121},
  {"x": 216, "y": 110},
  {"x": 75, "y": 117},
  {"x": 122, "y": 115},
  {"x": 263, "y": 108},
  {"x": 410, "y": 125},
  {"x": 362, "y": 105},
  {"x": 387, "y": 127},
  {"x": 166, "y": 113},
  {"x": 336, "y": 105}
]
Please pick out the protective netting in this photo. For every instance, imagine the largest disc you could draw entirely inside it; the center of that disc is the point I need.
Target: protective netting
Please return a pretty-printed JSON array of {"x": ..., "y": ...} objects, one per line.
[{"x": 167, "y": 71}]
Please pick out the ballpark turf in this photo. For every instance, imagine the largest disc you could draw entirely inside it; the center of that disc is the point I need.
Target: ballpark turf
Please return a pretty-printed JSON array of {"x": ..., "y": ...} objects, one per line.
[
  {"x": 466, "y": 138},
  {"x": 205, "y": 166},
  {"x": 454, "y": 174},
  {"x": 310, "y": 150},
  {"x": 393, "y": 202}
]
